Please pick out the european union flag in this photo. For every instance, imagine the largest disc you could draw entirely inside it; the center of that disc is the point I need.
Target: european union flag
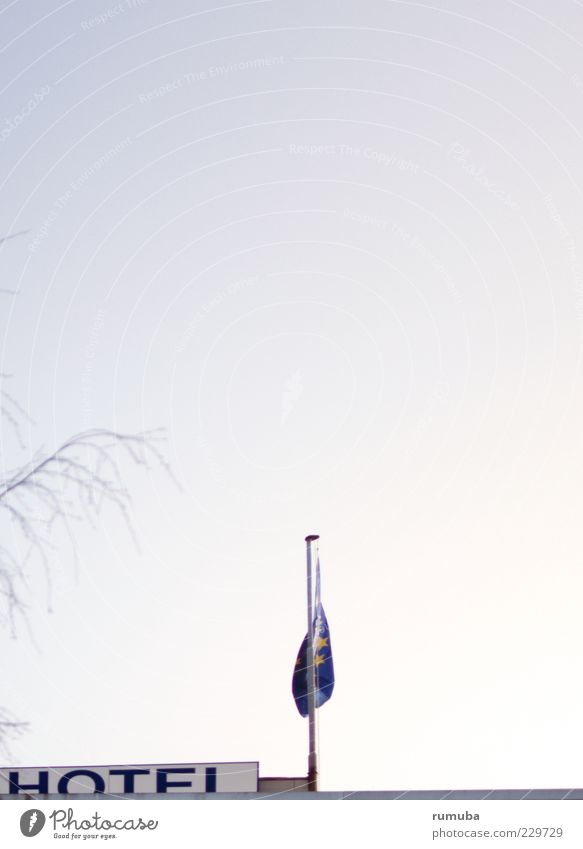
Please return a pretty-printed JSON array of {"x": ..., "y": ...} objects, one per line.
[{"x": 323, "y": 664}]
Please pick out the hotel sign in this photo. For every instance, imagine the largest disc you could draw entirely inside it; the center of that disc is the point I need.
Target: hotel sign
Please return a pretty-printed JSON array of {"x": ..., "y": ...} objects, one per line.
[{"x": 163, "y": 779}]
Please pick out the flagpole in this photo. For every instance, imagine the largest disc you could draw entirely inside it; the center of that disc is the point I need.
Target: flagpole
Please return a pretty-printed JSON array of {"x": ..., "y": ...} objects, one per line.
[{"x": 311, "y": 672}]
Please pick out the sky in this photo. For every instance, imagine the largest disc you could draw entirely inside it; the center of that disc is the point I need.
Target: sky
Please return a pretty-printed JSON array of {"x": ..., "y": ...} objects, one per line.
[{"x": 335, "y": 251}]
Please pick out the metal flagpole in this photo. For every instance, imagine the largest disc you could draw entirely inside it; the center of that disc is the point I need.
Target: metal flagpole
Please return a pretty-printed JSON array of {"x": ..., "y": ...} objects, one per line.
[{"x": 311, "y": 673}]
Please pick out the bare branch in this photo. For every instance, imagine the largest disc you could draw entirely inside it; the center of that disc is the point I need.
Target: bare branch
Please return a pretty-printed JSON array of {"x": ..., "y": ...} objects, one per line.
[
  {"x": 10, "y": 729},
  {"x": 12, "y": 411},
  {"x": 83, "y": 471},
  {"x": 13, "y": 235}
]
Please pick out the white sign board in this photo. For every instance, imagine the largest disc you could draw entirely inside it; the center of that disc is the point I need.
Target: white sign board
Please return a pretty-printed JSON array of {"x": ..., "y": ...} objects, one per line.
[{"x": 124, "y": 780}]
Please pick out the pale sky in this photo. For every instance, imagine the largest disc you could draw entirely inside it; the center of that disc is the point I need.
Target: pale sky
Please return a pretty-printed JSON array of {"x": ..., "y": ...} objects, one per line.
[{"x": 335, "y": 250}]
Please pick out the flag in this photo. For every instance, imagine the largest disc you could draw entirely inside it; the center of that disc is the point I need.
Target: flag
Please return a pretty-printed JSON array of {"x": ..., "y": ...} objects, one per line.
[{"x": 323, "y": 664}]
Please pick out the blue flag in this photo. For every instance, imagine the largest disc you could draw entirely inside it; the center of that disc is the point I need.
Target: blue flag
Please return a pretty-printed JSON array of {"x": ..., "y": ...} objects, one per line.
[{"x": 323, "y": 664}]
